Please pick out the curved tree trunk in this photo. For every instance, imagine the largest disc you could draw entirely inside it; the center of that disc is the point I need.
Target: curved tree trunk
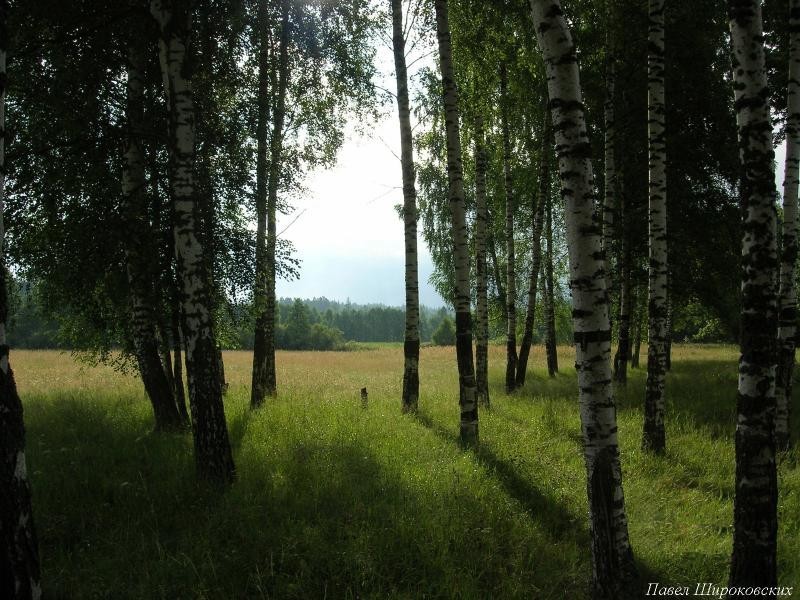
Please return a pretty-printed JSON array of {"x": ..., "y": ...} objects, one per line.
[
  {"x": 213, "y": 456},
  {"x": 613, "y": 567},
  {"x": 177, "y": 364},
  {"x": 19, "y": 549},
  {"x": 551, "y": 348},
  {"x": 511, "y": 275},
  {"x": 537, "y": 210},
  {"x": 411, "y": 339},
  {"x": 481, "y": 275},
  {"x": 466, "y": 369},
  {"x": 653, "y": 438},
  {"x": 139, "y": 255},
  {"x": 753, "y": 562},
  {"x": 787, "y": 327}
]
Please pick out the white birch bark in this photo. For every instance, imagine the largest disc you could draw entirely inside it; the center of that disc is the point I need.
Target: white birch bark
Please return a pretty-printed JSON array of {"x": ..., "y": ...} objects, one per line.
[
  {"x": 481, "y": 273},
  {"x": 213, "y": 456},
  {"x": 455, "y": 177},
  {"x": 612, "y": 557},
  {"x": 787, "y": 325},
  {"x": 410, "y": 396},
  {"x": 753, "y": 561},
  {"x": 653, "y": 438}
]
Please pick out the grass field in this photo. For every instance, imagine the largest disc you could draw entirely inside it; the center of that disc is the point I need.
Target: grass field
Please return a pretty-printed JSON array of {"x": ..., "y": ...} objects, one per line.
[{"x": 336, "y": 502}]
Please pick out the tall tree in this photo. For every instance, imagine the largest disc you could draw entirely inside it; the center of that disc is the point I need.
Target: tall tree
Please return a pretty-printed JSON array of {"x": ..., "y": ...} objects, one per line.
[
  {"x": 755, "y": 524},
  {"x": 613, "y": 570},
  {"x": 213, "y": 456},
  {"x": 787, "y": 294},
  {"x": 19, "y": 550},
  {"x": 653, "y": 438},
  {"x": 455, "y": 178},
  {"x": 139, "y": 250},
  {"x": 411, "y": 336},
  {"x": 609, "y": 148},
  {"x": 267, "y": 183},
  {"x": 481, "y": 275},
  {"x": 538, "y": 202},
  {"x": 511, "y": 273},
  {"x": 550, "y": 297}
]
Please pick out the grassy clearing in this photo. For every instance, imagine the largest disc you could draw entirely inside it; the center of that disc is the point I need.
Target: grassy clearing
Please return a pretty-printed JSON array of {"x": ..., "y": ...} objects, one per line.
[{"x": 333, "y": 501}]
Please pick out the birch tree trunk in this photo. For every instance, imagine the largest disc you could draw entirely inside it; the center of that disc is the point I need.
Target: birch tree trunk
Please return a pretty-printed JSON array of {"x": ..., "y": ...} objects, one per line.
[
  {"x": 411, "y": 341},
  {"x": 177, "y": 365},
  {"x": 753, "y": 562},
  {"x": 537, "y": 210},
  {"x": 623, "y": 348},
  {"x": 267, "y": 383},
  {"x": 511, "y": 274},
  {"x": 139, "y": 255},
  {"x": 787, "y": 325},
  {"x": 213, "y": 456},
  {"x": 610, "y": 169},
  {"x": 653, "y": 438},
  {"x": 258, "y": 390},
  {"x": 613, "y": 570},
  {"x": 466, "y": 369},
  {"x": 481, "y": 275},
  {"x": 551, "y": 348},
  {"x": 19, "y": 550}
]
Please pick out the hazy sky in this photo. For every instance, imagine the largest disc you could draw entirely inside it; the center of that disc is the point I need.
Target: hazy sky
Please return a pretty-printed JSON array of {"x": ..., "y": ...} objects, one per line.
[{"x": 349, "y": 237}]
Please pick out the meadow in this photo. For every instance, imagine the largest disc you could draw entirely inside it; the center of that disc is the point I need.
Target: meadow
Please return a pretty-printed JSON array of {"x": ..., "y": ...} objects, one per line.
[{"x": 334, "y": 501}]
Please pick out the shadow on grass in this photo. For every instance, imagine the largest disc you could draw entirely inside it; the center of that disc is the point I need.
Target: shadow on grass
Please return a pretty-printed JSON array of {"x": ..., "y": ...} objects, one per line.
[
  {"x": 120, "y": 515},
  {"x": 550, "y": 516}
]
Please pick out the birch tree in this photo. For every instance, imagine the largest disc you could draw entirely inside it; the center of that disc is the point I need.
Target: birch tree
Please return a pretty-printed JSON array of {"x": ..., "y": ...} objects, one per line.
[
  {"x": 455, "y": 178},
  {"x": 19, "y": 550},
  {"x": 411, "y": 336},
  {"x": 613, "y": 568},
  {"x": 653, "y": 438},
  {"x": 481, "y": 274},
  {"x": 755, "y": 524},
  {"x": 139, "y": 255},
  {"x": 264, "y": 381},
  {"x": 537, "y": 217},
  {"x": 212, "y": 448},
  {"x": 787, "y": 294},
  {"x": 549, "y": 286},
  {"x": 511, "y": 274}
]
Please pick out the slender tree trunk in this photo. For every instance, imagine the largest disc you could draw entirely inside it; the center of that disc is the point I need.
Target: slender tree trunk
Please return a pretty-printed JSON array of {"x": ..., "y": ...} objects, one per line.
[
  {"x": 610, "y": 168},
  {"x": 668, "y": 339},
  {"x": 466, "y": 369},
  {"x": 139, "y": 255},
  {"x": 258, "y": 391},
  {"x": 755, "y": 528},
  {"x": 537, "y": 211},
  {"x": 411, "y": 340},
  {"x": 654, "y": 437},
  {"x": 481, "y": 275},
  {"x": 267, "y": 384},
  {"x": 623, "y": 348},
  {"x": 211, "y": 444},
  {"x": 19, "y": 549},
  {"x": 511, "y": 275},
  {"x": 550, "y": 297},
  {"x": 637, "y": 336},
  {"x": 498, "y": 278},
  {"x": 787, "y": 327},
  {"x": 613, "y": 567}
]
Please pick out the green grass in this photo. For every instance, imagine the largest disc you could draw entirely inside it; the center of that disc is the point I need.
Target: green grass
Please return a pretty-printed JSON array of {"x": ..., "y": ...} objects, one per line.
[{"x": 334, "y": 501}]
